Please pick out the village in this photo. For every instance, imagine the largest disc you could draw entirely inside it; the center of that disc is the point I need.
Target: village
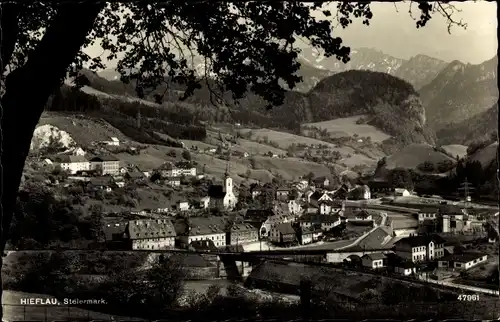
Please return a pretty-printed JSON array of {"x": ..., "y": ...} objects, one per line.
[{"x": 366, "y": 221}]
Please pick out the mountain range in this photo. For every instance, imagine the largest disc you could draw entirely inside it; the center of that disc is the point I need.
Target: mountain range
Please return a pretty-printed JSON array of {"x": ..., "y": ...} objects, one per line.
[{"x": 450, "y": 93}]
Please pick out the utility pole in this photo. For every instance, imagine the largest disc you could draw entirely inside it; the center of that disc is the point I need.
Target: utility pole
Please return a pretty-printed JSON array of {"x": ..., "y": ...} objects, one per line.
[{"x": 464, "y": 186}]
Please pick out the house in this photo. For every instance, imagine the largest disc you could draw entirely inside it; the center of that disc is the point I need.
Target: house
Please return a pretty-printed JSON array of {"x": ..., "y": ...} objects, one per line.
[
  {"x": 115, "y": 232},
  {"x": 427, "y": 213},
  {"x": 363, "y": 215},
  {"x": 106, "y": 164},
  {"x": 278, "y": 218},
  {"x": 462, "y": 261},
  {"x": 294, "y": 207},
  {"x": 200, "y": 228},
  {"x": 380, "y": 187},
  {"x": 353, "y": 261},
  {"x": 173, "y": 181},
  {"x": 258, "y": 217},
  {"x": 420, "y": 248},
  {"x": 183, "y": 206},
  {"x": 151, "y": 234},
  {"x": 375, "y": 260},
  {"x": 401, "y": 192},
  {"x": 123, "y": 170},
  {"x": 341, "y": 193},
  {"x": 400, "y": 265},
  {"x": 204, "y": 202},
  {"x": 186, "y": 169},
  {"x": 114, "y": 141},
  {"x": 241, "y": 233},
  {"x": 135, "y": 176},
  {"x": 205, "y": 245},
  {"x": 327, "y": 206},
  {"x": 282, "y": 193},
  {"x": 324, "y": 222},
  {"x": 101, "y": 183},
  {"x": 78, "y": 151},
  {"x": 366, "y": 192},
  {"x": 282, "y": 233},
  {"x": 72, "y": 163},
  {"x": 222, "y": 196},
  {"x": 308, "y": 235},
  {"x": 322, "y": 182}
]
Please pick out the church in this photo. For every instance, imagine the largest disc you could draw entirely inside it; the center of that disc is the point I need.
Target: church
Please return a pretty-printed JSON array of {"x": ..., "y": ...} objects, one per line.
[{"x": 222, "y": 196}]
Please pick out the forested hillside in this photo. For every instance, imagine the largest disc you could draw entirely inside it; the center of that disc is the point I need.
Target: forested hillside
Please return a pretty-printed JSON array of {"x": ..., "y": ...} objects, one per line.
[{"x": 391, "y": 104}]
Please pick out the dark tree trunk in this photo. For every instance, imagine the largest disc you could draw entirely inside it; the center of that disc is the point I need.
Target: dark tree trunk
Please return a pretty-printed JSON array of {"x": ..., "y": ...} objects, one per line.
[
  {"x": 9, "y": 23},
  {"x": 27, "y": 91}
]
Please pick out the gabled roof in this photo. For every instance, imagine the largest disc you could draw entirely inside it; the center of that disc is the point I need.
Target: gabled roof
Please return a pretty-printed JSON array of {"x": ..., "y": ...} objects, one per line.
[
  {"x": 203, "y": 245},
  {"x": 135, "y": 175},
  {"x": 463, "y": 257},
  {"x": 260, "y": 214},
  {"x": 70, "y": 158},
  {"x": 206, "y": 226},
  {"x": 422, "y": 240},
  {"x": 285, "y": 228},
  {"x": 150, "y": 228},
  {"x": 374, "y": 256},
  {"x": 320, "y": 219}
]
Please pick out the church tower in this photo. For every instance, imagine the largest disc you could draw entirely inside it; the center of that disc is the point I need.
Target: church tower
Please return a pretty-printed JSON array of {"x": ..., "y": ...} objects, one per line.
[{"x": 228, "y": 182}]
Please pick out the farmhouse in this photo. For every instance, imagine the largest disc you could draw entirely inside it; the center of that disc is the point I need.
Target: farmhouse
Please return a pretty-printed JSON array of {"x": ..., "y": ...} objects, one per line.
[
  {"x": 114, "y": 141},
  {"x": 462, "y": 261},
  {"x": 324, "y": 222},
  {"x": 401, "y": 192}
]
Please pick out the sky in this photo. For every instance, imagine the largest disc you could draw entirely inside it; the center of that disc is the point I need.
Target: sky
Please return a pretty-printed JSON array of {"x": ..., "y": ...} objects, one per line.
[{"x": 394, "y": 32}]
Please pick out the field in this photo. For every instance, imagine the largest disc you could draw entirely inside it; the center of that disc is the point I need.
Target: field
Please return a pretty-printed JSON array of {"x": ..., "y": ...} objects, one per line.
[
  {"x": 284, "y": 140},
  {"x": 413, "y": 155},
  {"x": 455, "y": 149},
  {"x": 346, "y": 126}
]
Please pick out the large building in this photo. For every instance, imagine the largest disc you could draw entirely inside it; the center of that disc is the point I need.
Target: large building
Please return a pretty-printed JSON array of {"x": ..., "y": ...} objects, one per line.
[
  {"x": 151, "y": 234},
  {"x": 241, "y": 233},
  {"x": 106, "y": 164},
  {"x": 199, "y": 228},
  {"x": 420, "y": 248},
  {"x": 72, "y": 163}
]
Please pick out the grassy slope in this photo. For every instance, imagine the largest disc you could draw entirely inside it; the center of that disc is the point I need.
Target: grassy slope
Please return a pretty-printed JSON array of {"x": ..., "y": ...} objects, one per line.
[
  {"x": 455, "y": 149},
  {"x": 413, "y": 155},
  {"x": 346, "y": 126},
  {"x": 486, "y": 155}
]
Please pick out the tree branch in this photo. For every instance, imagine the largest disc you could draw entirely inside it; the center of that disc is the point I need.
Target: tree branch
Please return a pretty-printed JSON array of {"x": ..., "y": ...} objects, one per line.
[{"x": 9, "y": 27}]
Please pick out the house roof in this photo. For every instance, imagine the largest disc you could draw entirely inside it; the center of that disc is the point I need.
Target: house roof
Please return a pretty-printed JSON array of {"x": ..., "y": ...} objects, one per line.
[
  {"x": 100, "y": 181},
  {"x": 216, "y": 192},
  {"x": 450, "y": 209},
  {"x": 114, "y": 228},
  {"x": 203, "y": 245},
  {"x": 374, "y": 256},
  {"x": 206, "y": 226},
  {"x": 376, "y": 239},
  {"x": 422, "y": 240},
  {"x": 331, "y": 203},
  {"x": 64, "y": 158},
  {"x": 429, "y": 210},
  {"x": 259, "y": 214},
  {"x": 135, "y": 175},
  {"x": 317, "y": 218},
  {"x": 240, "y": 227},
  {"x": 400, "y": 190},
  {"x": 102, "y": 158},
  {"x": 150, "y": 228},
  {"x": 463, "y": 257},
  {"x": 285, "y": 228}
]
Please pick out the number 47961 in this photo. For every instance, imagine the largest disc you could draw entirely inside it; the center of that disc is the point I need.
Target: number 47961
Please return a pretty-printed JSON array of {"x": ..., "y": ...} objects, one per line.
[{"x": 468, "y": 297}]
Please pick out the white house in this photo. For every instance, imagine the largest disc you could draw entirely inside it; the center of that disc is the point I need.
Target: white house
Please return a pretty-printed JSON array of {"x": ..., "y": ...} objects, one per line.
[
  {"x": 401, "y": 192},
  {"x": 72, "y": 163},
  {"x": 462, "y": 261},
  {"x": 366, "y": 193},
  {"x": 114, "y": 141},
  {"x": 183, "y": 206},
  {"x": 78, "y": 151},
  {"x": 420, "y": 248},
  {"x": 374, "y": 261},
  {"x": 427, "y": 213},
  {"x": 212, "y": 228},
  {"x": 205, "y": 202}
]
